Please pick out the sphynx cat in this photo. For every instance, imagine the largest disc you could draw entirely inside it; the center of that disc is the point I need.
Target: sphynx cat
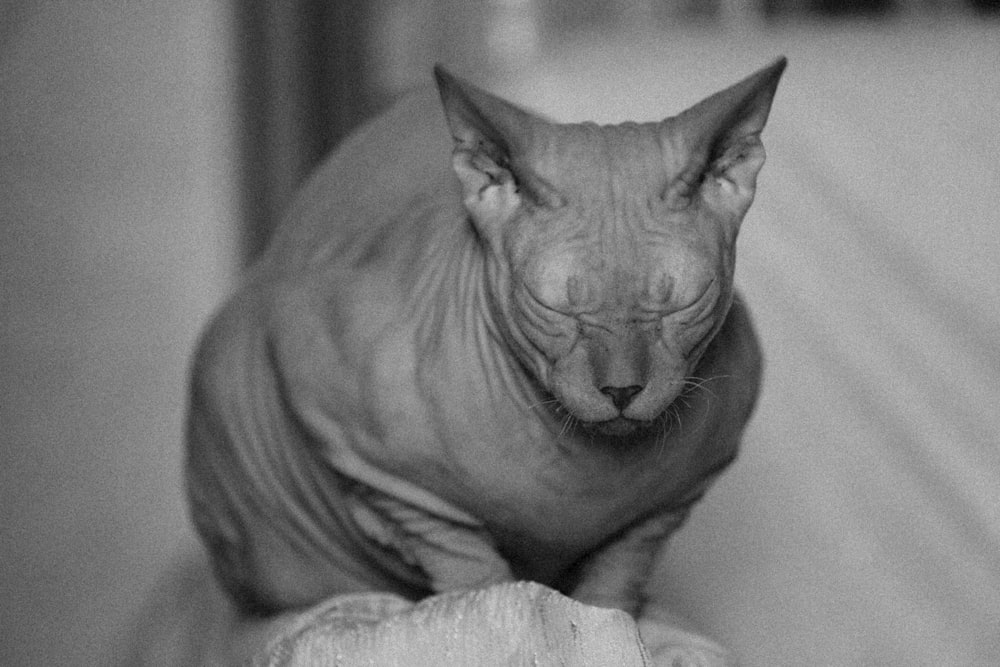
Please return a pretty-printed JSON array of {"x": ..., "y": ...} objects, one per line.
[{"x": 526, "y": 362}]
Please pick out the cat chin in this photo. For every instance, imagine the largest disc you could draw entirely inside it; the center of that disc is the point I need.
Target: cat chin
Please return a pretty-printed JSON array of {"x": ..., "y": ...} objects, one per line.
[{"x": 619, "y": 428}]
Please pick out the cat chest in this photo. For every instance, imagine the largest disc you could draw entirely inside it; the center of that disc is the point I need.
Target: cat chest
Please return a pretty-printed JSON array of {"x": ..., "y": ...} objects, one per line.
[
  {"x": 450, "y": 424},
  {"x": 574, "y": 504}
]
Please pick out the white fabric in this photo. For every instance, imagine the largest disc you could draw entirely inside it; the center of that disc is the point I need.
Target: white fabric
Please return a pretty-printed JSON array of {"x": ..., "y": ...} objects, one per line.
[
  {"x": 861, "y": 524},
  {"x": 510, "y": 624}
]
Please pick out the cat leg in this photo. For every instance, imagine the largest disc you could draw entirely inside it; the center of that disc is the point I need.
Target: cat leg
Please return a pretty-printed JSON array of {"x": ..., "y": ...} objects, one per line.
[
  {"x": 615, "y": 575},
  {"x": 671, "y": 640},
  {"x": 618, "y": 574},
  {"x": 447, "y": 554},
  {"x": 422, "y": 550}
]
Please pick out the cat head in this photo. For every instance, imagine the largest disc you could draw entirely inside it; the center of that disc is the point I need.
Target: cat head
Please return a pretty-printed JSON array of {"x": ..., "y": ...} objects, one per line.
[{"x": 611, "y": 248}]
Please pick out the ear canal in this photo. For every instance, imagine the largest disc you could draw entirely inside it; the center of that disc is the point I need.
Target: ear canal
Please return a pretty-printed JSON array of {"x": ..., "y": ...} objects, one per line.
[
  {"x": 735, "y": 113},
  {"x": 502, "y": 133},
  {"x": 474, "y": 115}
]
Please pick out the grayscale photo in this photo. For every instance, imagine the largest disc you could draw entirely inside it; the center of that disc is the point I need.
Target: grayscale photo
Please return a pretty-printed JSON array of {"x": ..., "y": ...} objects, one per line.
[{"x": 444, "y": 333}]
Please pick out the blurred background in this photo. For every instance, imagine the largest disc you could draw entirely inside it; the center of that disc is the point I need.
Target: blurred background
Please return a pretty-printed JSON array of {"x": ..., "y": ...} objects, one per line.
[
  {"x": 147, "y": 148},
  {"x": 313, "y": 69}
]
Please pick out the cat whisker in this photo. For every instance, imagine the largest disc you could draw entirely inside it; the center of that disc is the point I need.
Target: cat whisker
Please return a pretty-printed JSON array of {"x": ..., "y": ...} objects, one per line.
[
  {"x": 661, "y": 437},
  {"x": 568, "y": 424},
  {"x": 677, "y": 416},
  {"x": 692, "y": 384},
  {"x": 666, "y": 420},
  {"x": 550, "y": 403}
]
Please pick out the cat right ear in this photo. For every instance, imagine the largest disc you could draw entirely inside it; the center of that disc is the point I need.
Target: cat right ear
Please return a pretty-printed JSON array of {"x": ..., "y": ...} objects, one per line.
[
  {"x": 493, "y": 140},
  {"x": 717, "y": 142}
]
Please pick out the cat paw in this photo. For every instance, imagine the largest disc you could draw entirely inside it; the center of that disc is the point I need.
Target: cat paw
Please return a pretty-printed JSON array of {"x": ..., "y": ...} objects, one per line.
[
  {"x": 671, "y": 646},
  {"x": 689, "y": 656}
]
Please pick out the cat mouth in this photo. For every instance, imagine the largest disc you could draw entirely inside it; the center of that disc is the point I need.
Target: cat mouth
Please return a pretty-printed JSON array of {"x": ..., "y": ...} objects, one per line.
[{"x": 619, "y": 427}]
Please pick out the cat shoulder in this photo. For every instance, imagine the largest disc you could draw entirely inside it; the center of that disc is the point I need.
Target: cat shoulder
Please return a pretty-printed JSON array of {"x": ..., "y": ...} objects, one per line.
[{"x": 369, "y": 185}]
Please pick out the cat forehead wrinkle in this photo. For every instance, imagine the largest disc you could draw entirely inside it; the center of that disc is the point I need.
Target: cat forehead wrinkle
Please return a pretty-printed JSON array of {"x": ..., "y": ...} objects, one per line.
[{"x": 585, "y": 159}]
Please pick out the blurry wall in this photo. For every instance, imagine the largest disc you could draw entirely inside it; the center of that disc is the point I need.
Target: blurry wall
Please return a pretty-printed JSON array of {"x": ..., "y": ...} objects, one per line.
[
  {"x": 303, "y": 85},
  {"x": 116, "y": 206}
]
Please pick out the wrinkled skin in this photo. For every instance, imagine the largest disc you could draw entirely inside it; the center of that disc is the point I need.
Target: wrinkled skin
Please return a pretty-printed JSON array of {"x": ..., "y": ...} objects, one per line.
[
  {"x": 528, "y": 366},
  {"x": 614, "y": 307}
]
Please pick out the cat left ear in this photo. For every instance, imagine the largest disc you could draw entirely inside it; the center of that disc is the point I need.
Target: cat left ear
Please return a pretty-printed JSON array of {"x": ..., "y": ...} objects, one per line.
[
  {"x": 493, "y": 145},
  {"x": 713, "y": 149}
]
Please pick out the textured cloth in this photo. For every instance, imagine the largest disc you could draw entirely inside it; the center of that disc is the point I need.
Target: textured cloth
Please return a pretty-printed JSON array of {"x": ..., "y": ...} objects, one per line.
[
  {"x": 504, "y": 625},
  {"x": 509, "y": 624}
]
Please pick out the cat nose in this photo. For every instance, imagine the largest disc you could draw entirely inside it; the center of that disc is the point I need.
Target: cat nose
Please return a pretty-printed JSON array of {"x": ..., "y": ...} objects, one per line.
[{"x": 621, "y": 396}]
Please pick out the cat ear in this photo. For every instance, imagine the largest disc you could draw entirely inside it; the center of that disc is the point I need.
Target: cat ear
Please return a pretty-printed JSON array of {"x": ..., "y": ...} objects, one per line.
[
  {"x": 713, "y": 150},
  {"x": 494, "y": 140}
]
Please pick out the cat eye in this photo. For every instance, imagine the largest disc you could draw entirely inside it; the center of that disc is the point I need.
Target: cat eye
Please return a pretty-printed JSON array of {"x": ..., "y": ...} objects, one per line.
[{"x": 699, "y": 309}]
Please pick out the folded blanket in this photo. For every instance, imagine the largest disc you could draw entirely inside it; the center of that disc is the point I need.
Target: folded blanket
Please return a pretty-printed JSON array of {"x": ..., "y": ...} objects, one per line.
[{"x": 507, "y": 624}]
